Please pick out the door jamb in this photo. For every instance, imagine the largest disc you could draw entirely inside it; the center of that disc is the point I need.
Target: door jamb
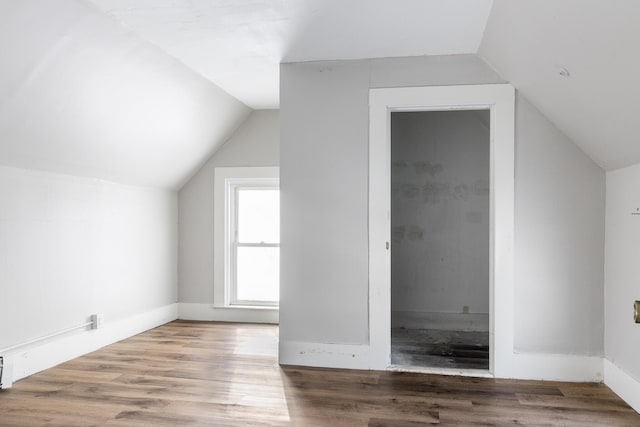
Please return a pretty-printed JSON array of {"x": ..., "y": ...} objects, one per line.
[{"x": 500, "y": 99}]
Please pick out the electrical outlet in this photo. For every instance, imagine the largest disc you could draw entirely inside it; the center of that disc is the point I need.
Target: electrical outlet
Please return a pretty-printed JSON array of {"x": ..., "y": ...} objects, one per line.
[
  {"x": 97, "y": 320},
  {"x": 465, "y": 309},
  {"x": 6, "y": 372}
]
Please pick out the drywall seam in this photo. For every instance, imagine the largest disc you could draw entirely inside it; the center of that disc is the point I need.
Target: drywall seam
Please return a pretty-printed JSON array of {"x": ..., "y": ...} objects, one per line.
[
  {"x": 25, "y": 362},
  {"x": 207, "y": 312}
]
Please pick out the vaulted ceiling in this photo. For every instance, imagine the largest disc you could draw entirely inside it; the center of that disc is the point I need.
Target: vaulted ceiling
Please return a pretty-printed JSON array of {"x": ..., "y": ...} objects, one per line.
[
  {"x": 578, "y": 61},
  {"x": 239, "y": 44},
  {"x": 82, "y": 95},
  {"x": 143, "y": 91}
]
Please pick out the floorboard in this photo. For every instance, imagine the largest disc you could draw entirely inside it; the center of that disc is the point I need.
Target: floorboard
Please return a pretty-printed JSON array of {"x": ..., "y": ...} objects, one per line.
[
  {"x": 204, "y": 374},
  {"x": 440, "y": 348}
]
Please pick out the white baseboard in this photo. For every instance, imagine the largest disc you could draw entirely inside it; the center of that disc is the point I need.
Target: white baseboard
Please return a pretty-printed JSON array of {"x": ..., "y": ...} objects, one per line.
[
  {"x": 549, "y": 367},
  {"x": 622, "y": 384},
  {"x": 35, "y": 358},
  {"x": 557, "y": 367},
  {"x": 441, "y": 321},
  {"x": 342, "y": 356},
  {"x": 207, "y": 312}
]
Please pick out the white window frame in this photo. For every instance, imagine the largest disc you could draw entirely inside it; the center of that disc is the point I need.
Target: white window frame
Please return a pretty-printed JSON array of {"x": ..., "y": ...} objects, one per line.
[
  {"x": 226, "y": 184},
  {"x": 232, "y": 186}
]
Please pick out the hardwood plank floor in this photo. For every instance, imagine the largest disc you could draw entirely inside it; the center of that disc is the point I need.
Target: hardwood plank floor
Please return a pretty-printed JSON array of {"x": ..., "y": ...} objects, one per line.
[
  {"x": 191, "y": 373},
  {"x": 440, "y": 348}
]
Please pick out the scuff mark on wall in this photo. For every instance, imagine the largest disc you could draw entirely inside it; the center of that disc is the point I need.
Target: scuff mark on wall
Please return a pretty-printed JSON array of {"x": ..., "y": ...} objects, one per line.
[
  {"x": 410, "y": 190},
  {"x": 461, "y": 192},
  {"x": 426, "y": 167},
  {"x": 434, "y": 192},
  {"x": 415, "y": 233},
  {"x": 399, "y": 165}
]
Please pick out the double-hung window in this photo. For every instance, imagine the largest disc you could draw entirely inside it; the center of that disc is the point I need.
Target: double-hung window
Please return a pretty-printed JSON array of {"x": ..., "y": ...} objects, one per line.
[{"x": 251, "y": 248}]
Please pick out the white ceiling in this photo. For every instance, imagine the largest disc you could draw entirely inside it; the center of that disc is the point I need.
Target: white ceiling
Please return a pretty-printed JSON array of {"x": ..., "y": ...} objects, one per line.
[
  {"x": 147, "y": 101},
  {"x": 81, "y": 95},
  {"x": 239, "y": 44},
  {"x": 598, "y": 41}
]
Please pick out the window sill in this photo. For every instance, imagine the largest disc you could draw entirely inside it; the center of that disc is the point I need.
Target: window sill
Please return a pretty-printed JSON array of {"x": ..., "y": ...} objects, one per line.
[{"x": 252, "y": 307}]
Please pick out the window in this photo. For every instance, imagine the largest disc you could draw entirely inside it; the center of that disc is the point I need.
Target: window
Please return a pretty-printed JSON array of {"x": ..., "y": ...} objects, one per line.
[
  {"x": 254, "y": 243},
  {"x": 247, "y": 204}
]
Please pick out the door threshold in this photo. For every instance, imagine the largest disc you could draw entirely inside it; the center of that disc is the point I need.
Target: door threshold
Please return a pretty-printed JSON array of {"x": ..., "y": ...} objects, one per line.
[{"x": 458, "y": 372}]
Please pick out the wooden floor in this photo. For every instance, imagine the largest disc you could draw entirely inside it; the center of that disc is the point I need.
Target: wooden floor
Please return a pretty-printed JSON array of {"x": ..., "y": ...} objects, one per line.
[
  {"x": 440, "y": 348},
  {"x": 224, "y": 374}
]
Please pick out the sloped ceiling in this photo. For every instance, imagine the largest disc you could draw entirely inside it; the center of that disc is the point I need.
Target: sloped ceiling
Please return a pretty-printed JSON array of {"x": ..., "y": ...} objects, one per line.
[
  {"x": 144, "y": 92},
  {"x": 578, "y": 61},
  {"x": 82, "y": 95},
  {"x": 239, "y": 44}
]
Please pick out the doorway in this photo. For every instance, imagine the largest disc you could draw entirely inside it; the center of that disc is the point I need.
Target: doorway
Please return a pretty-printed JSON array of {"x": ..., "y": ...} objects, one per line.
[
  {"x": 499, "y": 100},
  {"x": 440, "y": 239}
]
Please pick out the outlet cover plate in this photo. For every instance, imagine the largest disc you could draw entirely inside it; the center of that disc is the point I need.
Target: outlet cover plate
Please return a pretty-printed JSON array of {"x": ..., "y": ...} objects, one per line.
[
  {"x": 6, "y": 373},
  {"x": 98, "y": 320}
]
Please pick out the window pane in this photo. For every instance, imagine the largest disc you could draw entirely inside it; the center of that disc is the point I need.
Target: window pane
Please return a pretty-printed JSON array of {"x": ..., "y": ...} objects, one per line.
[
  {"x": 258, "y": 274},
  {"x": 258, "y": 215}
]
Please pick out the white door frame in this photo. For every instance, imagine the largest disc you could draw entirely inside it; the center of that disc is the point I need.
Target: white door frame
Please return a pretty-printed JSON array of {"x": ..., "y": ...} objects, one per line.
[{"x": 500, "y": 99}]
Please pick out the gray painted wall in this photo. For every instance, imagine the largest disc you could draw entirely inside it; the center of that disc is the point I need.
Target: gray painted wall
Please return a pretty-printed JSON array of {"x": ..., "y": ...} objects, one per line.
[
  {"x": 324, "y": 116},
  {"x": 324, "y": 181},
  {"x": 71, "y": 247},
  {"x": 440, "y": 212},
  {"x": 622, "y": 343},
  {"x": 255, "y": 143},
  {"x": 559, "y": 241}
]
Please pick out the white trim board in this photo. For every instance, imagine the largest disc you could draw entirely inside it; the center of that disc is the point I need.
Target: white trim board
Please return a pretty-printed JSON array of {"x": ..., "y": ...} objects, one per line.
[
  {"x": 622, "y": 384},
  {"x": 500, "y": 99},
  {"x": 341, "y": 356},
  {"x": 211, "y": 313},
  {"x": 441, "y": 321},
  {"x": 30, "y": 360},
  {"x": 557, "y": 367},
  {"x": 473, "y": 373},
  {"x": 527, "y": 366}
]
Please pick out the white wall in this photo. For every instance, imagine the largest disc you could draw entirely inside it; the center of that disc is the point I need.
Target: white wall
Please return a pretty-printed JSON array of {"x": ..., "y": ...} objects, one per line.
[
  {"x": 324, "y": 181},
  {"x": 622, "y": 335},
  {"x": 70, "y": 247},
  {"x": 324, "y": 178},
  {"x": 440, "y": 213},
  {"x": 559, "y": 241},
  {"x": 255, "y": 143}
]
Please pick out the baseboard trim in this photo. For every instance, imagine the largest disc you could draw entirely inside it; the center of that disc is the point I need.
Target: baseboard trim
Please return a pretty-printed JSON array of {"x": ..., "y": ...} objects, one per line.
[
  {"x": 526, "y": 366},
  {"x": 622, "y": 384},
  {"x": 30, "y": 360},
  {"x": 343, "y": 356},
  {"x": 478, "y": 322},
  {"x": 207, "y": 312},
  {"x": 557, "y": 367}
]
